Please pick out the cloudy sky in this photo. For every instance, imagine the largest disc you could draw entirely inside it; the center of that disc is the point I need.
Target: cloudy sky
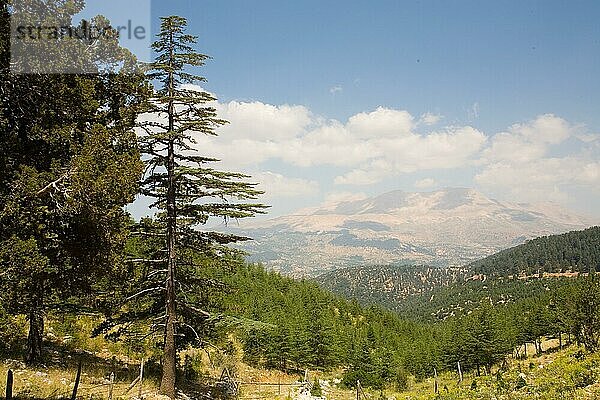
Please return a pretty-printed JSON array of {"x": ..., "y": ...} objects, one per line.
[{"x": 341, "y": 99}]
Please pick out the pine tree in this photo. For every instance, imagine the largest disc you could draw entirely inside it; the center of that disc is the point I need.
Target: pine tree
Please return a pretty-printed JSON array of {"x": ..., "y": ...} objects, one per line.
[
  {"x": 584, "y": 308},
  {"x": 187, "y": 194},
  {"x": 67, "y": 170}
]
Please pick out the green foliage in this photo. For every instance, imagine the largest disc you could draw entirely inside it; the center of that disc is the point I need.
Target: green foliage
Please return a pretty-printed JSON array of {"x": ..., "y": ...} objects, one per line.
[
  {"x": 66, "y": 172},
  {"x": 401, "y": 379},
  {"x": 192, "y": 367},
  {"x": 12, "y": 332},
  {"x": 577, "y": 251},
  {"x": 316, "y": 389},
  {"x": 307, "y": 327},
  {"x": 583, "y": 311}
]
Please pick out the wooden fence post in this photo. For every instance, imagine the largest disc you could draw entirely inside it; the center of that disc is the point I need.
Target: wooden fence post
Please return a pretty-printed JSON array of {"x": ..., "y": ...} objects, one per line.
[
  {"x": 110, "y": 388},
  {"x": 436, "y": 388},
  {"x": 77, "y": 378},
  {"x": 9, "y": 385},
  {"x": 141, "y": 379},
  {"x": 460, "y": 375}
]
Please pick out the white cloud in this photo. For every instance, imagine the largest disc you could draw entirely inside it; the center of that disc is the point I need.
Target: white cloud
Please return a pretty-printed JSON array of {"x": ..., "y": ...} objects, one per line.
[
  {"x": 453, "y": 148},
  {"x": 589, "y": 137},
  {"x": 262, "y": 121},
  {"x": 375, "y": 144},
  {"x": 360, "y": 177},
  {"x": 277, "y": 185},
  {"x": 521, "y": 162},
  {"x": 473, "y": 112},
  {"x": 529, "y": 141},
  {"x": 517, "y": 162},
  {"x": 430, "y": 119},
  {"x": 547, "y": 129},
  {"x": 506, "y": 146},
  {"x": 381, "y": 122},
  {"x": 336, "y": 89},
  {"x": 540, "y": 180},
  {"x": 425, "y": 183}
]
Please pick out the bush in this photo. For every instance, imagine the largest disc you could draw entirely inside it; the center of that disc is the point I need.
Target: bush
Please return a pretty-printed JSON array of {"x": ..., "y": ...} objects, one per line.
[
  {"x": 582, "y": 377},
  {"x": 316, "y": 389},
  {"x": 192, "y": 366},
  {"x": 401, "y": 379},
  {"x": 366, "y": 378},
  {"x": 13, "y": 330}
]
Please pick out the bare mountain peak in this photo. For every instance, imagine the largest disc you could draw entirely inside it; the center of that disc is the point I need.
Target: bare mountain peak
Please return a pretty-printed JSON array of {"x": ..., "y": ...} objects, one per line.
[
  {"x": 450, "y": 226},
  {"x": 390, "y": 202}
]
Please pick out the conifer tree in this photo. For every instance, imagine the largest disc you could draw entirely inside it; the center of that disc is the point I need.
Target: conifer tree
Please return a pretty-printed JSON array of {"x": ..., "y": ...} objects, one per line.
[
  {"x": 584, "y": 307},
  {"x": 187, "y": 193},
  {"x": 68, "y": 165}
]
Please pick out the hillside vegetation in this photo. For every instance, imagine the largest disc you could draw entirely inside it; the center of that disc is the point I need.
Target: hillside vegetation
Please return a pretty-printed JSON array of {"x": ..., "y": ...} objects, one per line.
[
  {"x": 430, "y": 293},
  {"x": 289, "y": 326},
  {"x": 577, "y": 251},
  {"x": 267, "y": 322}
]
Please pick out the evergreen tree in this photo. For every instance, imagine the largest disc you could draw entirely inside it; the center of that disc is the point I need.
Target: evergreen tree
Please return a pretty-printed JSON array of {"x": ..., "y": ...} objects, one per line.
[
  {"x": 187, "y": 193},
  {"x": 485, "y": 342},
  {"x": 67, "y": 169},
  {"x": 585, "y": 311}
]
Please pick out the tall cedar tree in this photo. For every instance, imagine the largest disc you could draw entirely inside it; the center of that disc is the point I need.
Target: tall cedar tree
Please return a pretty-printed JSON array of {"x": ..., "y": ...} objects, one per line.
[
  {"x": 187, "y": 192},
  {"x": 69, "y": 164}
]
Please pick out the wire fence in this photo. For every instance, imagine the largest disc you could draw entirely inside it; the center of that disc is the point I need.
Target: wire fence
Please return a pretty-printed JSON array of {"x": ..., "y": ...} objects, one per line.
[
  {"x": 99, "y": 390},
  {"x": 226, "y": 387}
]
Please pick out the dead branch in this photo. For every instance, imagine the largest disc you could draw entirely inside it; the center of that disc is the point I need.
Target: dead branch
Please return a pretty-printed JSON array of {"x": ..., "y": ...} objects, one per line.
[{"x": 144, "y": 292}]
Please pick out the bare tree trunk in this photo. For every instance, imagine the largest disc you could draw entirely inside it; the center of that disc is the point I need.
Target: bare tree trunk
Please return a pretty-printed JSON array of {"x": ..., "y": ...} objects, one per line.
[
  {"x": 167, "y": 384},
  {"x": 35, "y": 337},
  {"x": 560, "y": 343}
]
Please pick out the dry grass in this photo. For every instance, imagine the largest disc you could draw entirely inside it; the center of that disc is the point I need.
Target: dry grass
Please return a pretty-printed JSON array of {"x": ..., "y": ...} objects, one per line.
[
  {"x": 554, "y": 375},
  {"x": 55, "y": 382}
]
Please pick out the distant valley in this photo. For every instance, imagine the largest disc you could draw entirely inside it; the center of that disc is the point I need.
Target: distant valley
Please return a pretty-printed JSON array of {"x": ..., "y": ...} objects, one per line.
[
  {"x": 449, "y": 227},
  {"x": 424, "y": 292}
]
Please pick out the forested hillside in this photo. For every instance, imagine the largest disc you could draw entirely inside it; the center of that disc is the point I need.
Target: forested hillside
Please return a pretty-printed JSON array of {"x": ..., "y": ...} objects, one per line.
[
  {"x": 311, "y": 328},
  {"x": 429, "y": 293},
  {"x": 307, "y": 327},
  {"x": 390, "y": 285},
  {"x": 577, "y": 251}
]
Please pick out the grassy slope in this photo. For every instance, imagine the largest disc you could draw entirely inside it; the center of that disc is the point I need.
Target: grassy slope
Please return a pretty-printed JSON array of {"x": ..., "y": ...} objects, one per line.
[{"x": 566, "y": 374}]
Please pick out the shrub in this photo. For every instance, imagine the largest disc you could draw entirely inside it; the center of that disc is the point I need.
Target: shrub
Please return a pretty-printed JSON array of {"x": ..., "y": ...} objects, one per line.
[
  {"x": 13, "y": 330},
  {"x": 316, "y": 389},
  {"x": 401, "y": 379}
]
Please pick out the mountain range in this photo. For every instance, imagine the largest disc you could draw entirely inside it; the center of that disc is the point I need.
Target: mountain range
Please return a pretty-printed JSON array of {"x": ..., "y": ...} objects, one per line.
[{"x": 449, "y": 227}]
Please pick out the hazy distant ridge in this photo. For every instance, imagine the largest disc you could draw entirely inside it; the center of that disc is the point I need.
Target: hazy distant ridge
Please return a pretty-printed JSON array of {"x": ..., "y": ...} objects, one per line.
[{"x": 446, "y": 227}]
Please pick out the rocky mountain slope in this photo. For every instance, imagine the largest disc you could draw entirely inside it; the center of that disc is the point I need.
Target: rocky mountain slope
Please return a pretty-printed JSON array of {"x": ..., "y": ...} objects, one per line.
[{"x": 449, "y": 227}]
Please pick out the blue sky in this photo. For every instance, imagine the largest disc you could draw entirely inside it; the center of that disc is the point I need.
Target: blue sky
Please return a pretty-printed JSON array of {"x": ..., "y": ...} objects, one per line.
[
  {"x": 341, "y": 99},
  {"x": 516, "y": 59}
]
